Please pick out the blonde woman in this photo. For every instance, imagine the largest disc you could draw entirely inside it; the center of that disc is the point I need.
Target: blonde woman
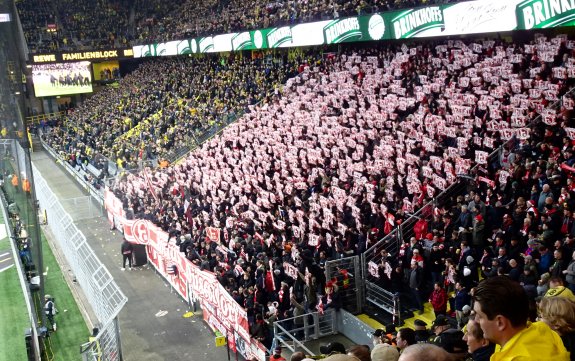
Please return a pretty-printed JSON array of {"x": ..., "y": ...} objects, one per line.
[{"x": 559, "y": 314}]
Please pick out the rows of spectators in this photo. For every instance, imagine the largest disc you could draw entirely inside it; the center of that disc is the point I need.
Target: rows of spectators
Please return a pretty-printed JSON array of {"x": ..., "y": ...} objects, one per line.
[
  {"x": 95, "y": 24},
  {"x": 73, "y": 25},
  {"x": 164, "y": 105},
  {"x": 355, "y": 144},
  {"x": 191, "y": 19}
]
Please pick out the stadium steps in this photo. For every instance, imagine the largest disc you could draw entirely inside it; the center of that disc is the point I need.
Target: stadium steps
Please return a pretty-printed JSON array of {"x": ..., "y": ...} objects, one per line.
[{"x": 375, "y": 322}]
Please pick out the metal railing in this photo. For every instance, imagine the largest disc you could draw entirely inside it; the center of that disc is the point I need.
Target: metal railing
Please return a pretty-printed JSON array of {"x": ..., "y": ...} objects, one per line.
[
  {"x": 347, "y": 272},
  {"x": 103, "y": 294},
  {"x": 292, "y": 333}
]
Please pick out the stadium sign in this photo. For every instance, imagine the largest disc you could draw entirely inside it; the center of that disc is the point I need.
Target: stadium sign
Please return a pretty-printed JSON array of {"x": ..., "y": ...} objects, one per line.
[
  {"x": 467, "y": 17},
  {"x": 88, "y": 55},
  {"x": 278, "y": 37},
  {"x": 410, "y": 23},
  {"x": 44, "y": 58},
  {"x": 242, "y": 41},
  {"x": 541, "y": 14},
  {"x": 109, "y": 54},
  {"x": 338, "y": 31}
]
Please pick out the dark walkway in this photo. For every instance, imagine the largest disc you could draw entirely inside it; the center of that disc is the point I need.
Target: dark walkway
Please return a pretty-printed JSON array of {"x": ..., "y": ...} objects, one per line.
[{"x": 152, "y": 324}]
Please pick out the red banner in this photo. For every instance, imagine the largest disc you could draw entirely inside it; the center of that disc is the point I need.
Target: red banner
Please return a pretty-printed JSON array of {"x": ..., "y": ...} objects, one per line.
[{"x": 220, "y": 309}]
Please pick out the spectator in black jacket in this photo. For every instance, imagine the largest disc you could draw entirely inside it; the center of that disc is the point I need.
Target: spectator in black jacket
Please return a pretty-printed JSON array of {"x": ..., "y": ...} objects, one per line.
[{"x": 416, "y": 285}]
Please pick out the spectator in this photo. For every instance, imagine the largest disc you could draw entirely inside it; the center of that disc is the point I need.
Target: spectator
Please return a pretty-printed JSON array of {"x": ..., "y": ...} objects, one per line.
[
  {"x": 405, "y": 337},
  {"x": 422, "y": 334},
  {"x": 559, "y": 314},
  {"x": 462, "y": 298},
  {"x": 557, "y": 289},
  {"x": 448, "y": 338},
  {"x": 427, "y": 352},
  {"x": 505, "y": 323},
  {"x": 362, "y": 352},
  {"x": 416, "y": 283},
  {"x": 438, "y": 300},
  {"x": 479, "y": 347},
  {"x": 570, "y": 273}
]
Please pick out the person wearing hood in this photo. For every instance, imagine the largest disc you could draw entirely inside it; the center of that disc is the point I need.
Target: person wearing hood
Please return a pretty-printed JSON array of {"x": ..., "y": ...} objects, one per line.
[{"x": 506, "y": 323}]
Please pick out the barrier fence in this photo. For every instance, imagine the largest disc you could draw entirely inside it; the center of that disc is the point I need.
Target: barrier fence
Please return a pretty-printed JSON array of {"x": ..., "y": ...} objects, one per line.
[
  {"x": 100, "y": 289},
  {"x": 292, "y": 333},
  {"x": 347, "y": 273}
]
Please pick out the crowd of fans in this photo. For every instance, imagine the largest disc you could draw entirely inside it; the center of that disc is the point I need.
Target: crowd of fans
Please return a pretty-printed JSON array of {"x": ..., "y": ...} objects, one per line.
[
  {"x": 163, "y": 106},
  {"x": 95, "y": 24},
  {"x": 73, "y": 25},
  {"x": 356, "y": 143},
  {"x": 190, "y": 19}
]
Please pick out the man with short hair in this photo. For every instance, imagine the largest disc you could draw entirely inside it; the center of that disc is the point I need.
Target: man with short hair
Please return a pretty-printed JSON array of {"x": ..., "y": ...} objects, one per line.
[
  {"x": 405, "y": 337},
  {"x": 502, "y": 310}
]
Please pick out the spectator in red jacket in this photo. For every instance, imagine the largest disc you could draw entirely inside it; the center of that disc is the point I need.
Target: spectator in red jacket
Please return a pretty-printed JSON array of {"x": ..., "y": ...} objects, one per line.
[{"x": 438, "y": 299}]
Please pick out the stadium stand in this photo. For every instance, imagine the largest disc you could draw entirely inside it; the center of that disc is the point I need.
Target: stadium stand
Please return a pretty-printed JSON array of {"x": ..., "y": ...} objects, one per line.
[
  {"x": 163, "y": 106},
  {"x": 356, "y": 143},
  {"x": 78, "y": 25}
]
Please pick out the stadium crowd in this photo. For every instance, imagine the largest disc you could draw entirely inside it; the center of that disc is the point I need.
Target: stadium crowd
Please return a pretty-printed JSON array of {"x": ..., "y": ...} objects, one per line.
[
  {"x": 163, "y": 106},
  {"x": 354, "y": 145},
  {"x": 190, "y": 20},
  {"x": 77, "y": 25}
]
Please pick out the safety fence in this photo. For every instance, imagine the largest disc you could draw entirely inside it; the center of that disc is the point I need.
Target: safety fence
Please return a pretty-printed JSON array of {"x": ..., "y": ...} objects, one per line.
[
  {"x": 347, "y": 274},
  {"x": 292, "y": 333},
  {"x": 100, "y": 289}
]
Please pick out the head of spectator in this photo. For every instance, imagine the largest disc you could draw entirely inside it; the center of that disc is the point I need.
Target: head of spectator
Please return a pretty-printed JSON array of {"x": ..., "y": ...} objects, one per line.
[
  {"x": 332, "y": 348},
  {"x": 557, "y": 289},
  {"x": 379, "y": 336},
  {"x": 384, "y": 352},
  {"x": 500, "y": 321},
  {"x": 440, "y": 324},
  {"x": 425, "y": 351},
  {"x": 505, "y": 323},
  {"x": 340, "y": 357},
  {"x": 362, "y": 352},
  {"x": 558, "y": 313},
  {"x": 419, "y": 325},
  {"x": 297, "y": 356},
  {"x": 405, "y": 337},
  {"x": 478, "y": 346}
]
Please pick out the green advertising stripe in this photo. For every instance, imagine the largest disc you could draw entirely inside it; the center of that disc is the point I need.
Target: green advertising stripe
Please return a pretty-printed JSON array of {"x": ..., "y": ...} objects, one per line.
[
  {"x": 541, "y": 14},
  {"x": 403, "y": 24}
]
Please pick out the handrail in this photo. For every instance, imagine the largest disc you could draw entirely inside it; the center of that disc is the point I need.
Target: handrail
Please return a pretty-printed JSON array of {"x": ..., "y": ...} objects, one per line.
[{"x": 295, "y": 341}]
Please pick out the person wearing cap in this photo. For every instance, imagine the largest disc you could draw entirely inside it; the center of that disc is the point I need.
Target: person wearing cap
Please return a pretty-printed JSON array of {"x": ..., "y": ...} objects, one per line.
[
  {"x": 447, "y": 337},
  {"x": 382, "y": 350},
  {"x": 277, "y": 355},
  {"x": 50, "y": 310},
  {"x": 421, "y": 332},
  {"x": 502, "y": 310}
]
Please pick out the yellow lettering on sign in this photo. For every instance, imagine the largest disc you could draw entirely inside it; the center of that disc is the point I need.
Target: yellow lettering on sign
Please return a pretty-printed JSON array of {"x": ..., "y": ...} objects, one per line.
[{"x": 44, "y": 58}]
